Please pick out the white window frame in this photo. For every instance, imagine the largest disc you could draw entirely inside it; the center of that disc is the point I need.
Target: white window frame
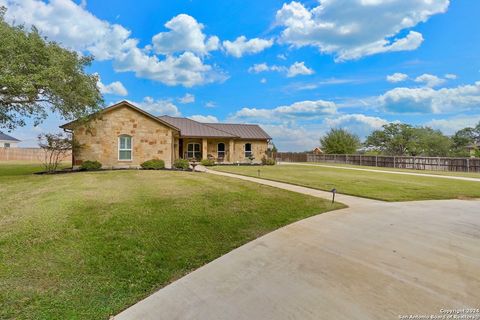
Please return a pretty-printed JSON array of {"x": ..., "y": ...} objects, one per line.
[
  {"x": 245, "y": 150},
  {"x": 125, "y": 149},
  {"x": 193, "y": 151}
]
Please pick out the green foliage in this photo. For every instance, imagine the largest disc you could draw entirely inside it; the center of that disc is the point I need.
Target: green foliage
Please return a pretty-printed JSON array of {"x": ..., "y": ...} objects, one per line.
[
  {"x": 464, "y": 138},
  {"x": 268, "y": 161},
  {"x": 339, "y": 141},
  {"x": 154, "y": 164},
  {"x": 37, "y": 76},
  {"x": 399, "y": 139},
  {"x": 181, "y": 164},
  {"x": 56, "y": 146},
  {"x": 89, "y": 165},
  {"x": 207, "y": 162}
]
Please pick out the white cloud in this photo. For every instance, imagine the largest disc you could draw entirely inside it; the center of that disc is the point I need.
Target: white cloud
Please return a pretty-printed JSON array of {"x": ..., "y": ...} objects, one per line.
[
  {"x": 429, "y": 100},
  {"x": 74, "y": 27},
  {"x": 204, "y": 119},
  {"x": 263, "y": 80},
  {"x": 187, "y": 98},
  {"x": 242, "y": 46},
  {"x": 451, "y": 125},
  {"x": 358, "y": 124},
  {"x": 450, "y": 76},
  {"x": 366, "y": 28},
  {"x": 430, "y": 80},
  {"x": 298, "y": 110},
  {"x": 297, "y": 68},
  {"x": 115, "y": 88},
  {"x": 293, "y": 138},
  {"x": 185, "y": 35},
  {"x": 158, "y": 107},
  {"x": 397, "y": 77},
  {"x": 210, "y": 104}
]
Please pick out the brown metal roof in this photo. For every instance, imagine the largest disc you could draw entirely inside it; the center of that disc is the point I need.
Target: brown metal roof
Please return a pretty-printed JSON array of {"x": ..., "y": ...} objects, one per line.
[
  {"x": 244, "y": 131},
  {"x": 191, "y": 128}
]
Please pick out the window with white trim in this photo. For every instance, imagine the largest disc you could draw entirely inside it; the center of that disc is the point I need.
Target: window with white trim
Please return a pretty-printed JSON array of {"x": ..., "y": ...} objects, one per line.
[
  {"x": 125, "y": 148},
  {"x": 193, "y": 151},
  {"x": 248, "y": 150},
  {"x": 6, "y": 145}
]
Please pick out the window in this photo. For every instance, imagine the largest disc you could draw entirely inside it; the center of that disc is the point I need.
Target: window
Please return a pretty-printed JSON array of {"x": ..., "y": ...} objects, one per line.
[
  {"x": 6, "y": 145},
  {"x": 248, "y": 150},
  {"x": 193, "y": 151},
  {"x": 125, "y": 148},
  {"x": 221, "y": 150}
]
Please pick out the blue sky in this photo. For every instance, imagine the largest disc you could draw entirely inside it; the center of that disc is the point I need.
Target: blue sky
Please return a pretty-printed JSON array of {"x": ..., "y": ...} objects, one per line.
[{"x": 296, "y": 68}]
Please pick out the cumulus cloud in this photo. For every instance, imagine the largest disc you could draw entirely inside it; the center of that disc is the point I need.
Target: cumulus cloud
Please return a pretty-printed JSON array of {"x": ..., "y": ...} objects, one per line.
[
  {"x": 204, "y": 119},
  {"x": 241, "y": 46},
  {"x": 74, "y": 27},
  {"x": 450, "y": 76},
  {"x": 158, "y": 107},
  {"x": 430, "y": 80},
  {"x": 430, "y": 100},
  {"x": 293, "y": 138},
  {"x": 296, "y": 69},
  {"x": 366, "y": 28},
  {"x": 453, "y": 124},
  {"x": 187, "y": 98},
  {"x": 397, "y": 77},
  {"x": 115, "y": 88},
  {"x": 358, "y": 124},
  {"x": 185, "y": 35},
  {"x": 298, "y": 110}
]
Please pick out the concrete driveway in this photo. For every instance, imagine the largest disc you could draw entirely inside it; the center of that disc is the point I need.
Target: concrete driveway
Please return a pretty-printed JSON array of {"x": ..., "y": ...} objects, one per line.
[{"x": 374, "y": 260}]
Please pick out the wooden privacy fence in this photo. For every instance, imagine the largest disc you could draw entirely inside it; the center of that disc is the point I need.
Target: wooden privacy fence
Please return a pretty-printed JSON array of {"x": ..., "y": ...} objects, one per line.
[
  {"x": 402, "y": 162},
  {"x": 26, "y": 154}
]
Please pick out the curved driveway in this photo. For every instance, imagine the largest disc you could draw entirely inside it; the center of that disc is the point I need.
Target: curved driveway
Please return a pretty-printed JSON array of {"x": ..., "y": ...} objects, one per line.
[{"x": 374, "y": 260}]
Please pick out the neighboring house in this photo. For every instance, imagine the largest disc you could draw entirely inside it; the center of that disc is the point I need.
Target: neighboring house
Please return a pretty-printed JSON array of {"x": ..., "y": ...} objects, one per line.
[
  {"x": 317, "y": 150},
  {"x": 124, "y": 135},
  {"x": 7, "y": 141}
]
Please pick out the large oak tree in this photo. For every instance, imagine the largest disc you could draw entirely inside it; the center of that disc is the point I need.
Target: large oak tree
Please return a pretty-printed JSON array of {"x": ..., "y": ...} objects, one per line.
[{"x": 39, "y": 76}]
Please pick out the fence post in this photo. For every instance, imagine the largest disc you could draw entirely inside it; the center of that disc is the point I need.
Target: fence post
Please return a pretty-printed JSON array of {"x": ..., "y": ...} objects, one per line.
[
  {"x": 376, "y": 161},
  {"x": 394, "y": 158},
  {"x": 468, "y": 165},
  {"x": 360, "y": 159},
  {"x": 414, "y": 162},
  {"x": 346, "y": 159},
  {"x": 334, "y": 158}
]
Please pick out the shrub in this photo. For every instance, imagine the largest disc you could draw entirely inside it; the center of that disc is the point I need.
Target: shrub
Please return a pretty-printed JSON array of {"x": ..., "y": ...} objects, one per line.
[
  {"x": 181, "y": 164},
  {"x": 154, "y": 164},
  {"x": 207, "y": 162},
  {"x": 268, "y": 161},
  {"x": 90, "y": 165}
]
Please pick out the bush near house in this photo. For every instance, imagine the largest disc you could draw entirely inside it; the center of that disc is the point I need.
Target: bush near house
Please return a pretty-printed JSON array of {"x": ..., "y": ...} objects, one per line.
[
  {"x": 90, "y": 165},
  {"x": 154, "y": 164},
  {"x": 181, "y": 164},
  {"x": 268, "y": 161},
  {"x": 207, "y": 162}
]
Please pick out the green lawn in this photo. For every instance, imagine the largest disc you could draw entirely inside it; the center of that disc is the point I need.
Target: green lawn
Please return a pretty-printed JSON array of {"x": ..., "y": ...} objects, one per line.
[
  {"x": 440, "y": 173},
  {"x": 88, "y": 245},
  {"x": 375, "y": 185}
]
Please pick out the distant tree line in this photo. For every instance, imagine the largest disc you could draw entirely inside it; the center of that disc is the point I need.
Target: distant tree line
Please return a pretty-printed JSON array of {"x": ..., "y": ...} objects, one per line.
[{"x": 399, "y": 139}]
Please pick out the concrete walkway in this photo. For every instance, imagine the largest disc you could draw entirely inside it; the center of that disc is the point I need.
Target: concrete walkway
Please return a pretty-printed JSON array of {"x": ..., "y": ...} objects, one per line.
[
  {"x": 374, "y": 260},
  {"x": 383, "y": 171}
]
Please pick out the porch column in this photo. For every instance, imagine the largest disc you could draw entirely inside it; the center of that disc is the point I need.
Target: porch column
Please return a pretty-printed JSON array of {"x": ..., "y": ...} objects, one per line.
[
  {"x": 204, "y": 149},
  {"x": 231, "y": 150}
]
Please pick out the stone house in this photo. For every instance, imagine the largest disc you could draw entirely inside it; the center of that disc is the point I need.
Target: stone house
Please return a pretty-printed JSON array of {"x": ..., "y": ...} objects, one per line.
[{"x": 124, "y": 136}]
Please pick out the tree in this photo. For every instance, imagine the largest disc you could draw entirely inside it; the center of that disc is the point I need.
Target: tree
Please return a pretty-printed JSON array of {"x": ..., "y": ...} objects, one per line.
[
  {"x": 339, "y": 141},
  {"x": 463, "y": 138},
  {"x": 399, "y": 139},
  {"x": 55, "y": 147},
  {"x": 37, "y": 76}
]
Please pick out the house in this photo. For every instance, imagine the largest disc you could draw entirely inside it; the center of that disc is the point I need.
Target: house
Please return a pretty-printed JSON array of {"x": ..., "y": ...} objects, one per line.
[
  {"x": 124, "y": 136},
  {"x": 317, "y": 151},
  {"x": 7, "y": 141}
]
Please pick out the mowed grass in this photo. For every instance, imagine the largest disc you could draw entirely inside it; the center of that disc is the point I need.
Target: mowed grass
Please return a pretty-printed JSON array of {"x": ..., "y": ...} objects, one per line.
[
  {"x": 375, "y": 185},
  {"x": 88, "y": 245}
]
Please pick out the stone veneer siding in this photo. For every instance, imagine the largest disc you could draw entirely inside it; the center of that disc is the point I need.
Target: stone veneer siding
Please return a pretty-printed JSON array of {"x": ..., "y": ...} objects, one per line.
[{"x": 99, "y": 139}]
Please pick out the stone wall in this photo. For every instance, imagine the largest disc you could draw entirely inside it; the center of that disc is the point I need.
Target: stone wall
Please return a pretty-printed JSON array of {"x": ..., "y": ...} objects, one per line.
[
  {"x": 259, "y": 148},
  {"x": 99, "y": 139}
]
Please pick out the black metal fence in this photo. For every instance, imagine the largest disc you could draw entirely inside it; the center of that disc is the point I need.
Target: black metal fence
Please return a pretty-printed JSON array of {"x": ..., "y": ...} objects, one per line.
[{"x": 402, "y": 162}]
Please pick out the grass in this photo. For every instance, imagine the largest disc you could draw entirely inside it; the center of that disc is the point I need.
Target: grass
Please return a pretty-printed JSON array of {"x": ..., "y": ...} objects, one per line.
[
  {"x": 440, "y": 173},
  {"x": 375, "y": 185},
  {"x": 88, "y": 245}
]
